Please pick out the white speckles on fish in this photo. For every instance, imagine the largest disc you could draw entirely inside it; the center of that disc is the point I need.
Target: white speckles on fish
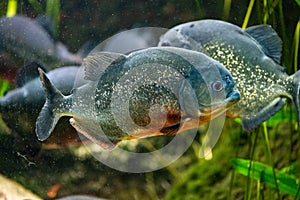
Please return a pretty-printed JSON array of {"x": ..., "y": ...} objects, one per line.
[{"x": 252, "y": 56}]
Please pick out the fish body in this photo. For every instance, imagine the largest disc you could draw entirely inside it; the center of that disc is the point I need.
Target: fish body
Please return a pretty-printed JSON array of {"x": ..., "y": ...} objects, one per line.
[
  {"x": 149, "y": 82},
  {"x": 25, "y": 40},
  {"x": 20, "y": 107},
  {"x": 251, "y": 55},
  {"x": 127, "y": 41}
]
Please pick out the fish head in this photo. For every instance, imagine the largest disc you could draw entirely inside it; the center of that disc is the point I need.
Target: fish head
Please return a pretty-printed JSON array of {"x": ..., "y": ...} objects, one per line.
[
  {"x": 214, "y": 89},
  {"x": 173, "y": 37}
]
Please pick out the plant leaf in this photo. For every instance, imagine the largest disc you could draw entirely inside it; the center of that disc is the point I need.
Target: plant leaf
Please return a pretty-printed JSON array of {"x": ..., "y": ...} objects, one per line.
[
  {"x": 4, "y": 85},
  {"x": 11, "y": 8},
  {"x": 293, "y": 169},
  {"x": 286, "y": 183}
]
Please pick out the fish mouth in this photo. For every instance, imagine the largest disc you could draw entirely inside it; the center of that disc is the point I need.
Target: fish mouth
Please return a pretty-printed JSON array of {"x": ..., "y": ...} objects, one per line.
[
  {"x": 216, "y": 109},
  {"x": 233, "y": 97}
]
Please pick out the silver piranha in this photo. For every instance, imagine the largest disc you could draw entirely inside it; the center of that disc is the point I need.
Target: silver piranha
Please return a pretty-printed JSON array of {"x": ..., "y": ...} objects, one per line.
[
  {"x": 252, "y": 56},
  {"x": 25, "y": 40},
  {"x": 144, "y": 87}
]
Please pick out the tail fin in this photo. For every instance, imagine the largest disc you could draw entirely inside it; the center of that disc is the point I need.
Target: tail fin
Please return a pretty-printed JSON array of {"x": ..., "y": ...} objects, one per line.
[
  {"x": 54, "y": 108},
  {"x": 296, "y": 87}
]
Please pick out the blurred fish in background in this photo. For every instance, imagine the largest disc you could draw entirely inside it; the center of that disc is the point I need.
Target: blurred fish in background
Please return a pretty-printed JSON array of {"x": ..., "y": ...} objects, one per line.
[{"x": 24, "y": 40}]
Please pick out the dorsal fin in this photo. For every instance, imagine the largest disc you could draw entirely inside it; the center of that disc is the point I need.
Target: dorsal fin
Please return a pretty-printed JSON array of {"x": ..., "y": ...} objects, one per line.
[
  {"x": 96, "y": 63},
  {"x": 268, "y": 39},
  {"x": 28, "y": 73}
]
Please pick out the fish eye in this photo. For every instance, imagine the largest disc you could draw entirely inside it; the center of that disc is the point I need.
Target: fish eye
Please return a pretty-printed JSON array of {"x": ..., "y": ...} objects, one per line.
[{"x": 217, "y": 86}]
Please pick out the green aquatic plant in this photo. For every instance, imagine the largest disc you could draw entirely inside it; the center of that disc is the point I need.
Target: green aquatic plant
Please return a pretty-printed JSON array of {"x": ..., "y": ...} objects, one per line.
[
  {"x": 199, "y": 10},
  {"x": 4, "y": 85},
  {"x": 36, "y": 6},
  {"x": 285, "y": 182},
  {"x": 53, "y": 10},
  {"x": 11, "y": 8},
  {"x": 248, "y": 14},
  {"x": 253, "y": 141},
  {"x": 296, "y": 45},
  {"x": 226, "y": 9}
]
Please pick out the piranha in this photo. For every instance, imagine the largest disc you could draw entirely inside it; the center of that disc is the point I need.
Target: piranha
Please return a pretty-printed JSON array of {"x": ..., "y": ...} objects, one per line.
[
  {"x": 133, "y": 96},
  {"x": 26, "y": 40},
  {"x": 252, "y": 56},
  {"x": 20, "y": 107}
]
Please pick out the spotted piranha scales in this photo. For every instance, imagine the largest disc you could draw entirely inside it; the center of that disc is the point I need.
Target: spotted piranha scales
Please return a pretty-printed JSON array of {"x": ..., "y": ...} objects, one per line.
[
  {"x": 252, "y": 56},
  {"x": 150, "y": 92}
]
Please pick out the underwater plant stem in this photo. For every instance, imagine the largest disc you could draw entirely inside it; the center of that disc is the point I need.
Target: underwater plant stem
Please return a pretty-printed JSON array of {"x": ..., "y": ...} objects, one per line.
[
  {"x": 266, "y": 13},
  {"x": 151, "y": 186},
  {"x": 233, "y": 171},
  {"x": 249, "y": 180},
  {"x": 272, "y": 7},
  {"x": 11, "y": 8},
  {"x": 296, "y": 42},
  {"x": 226, "y": 9},
  {"x": 36, "y": 6},
  {"x": 286, "y": 61},
  {"x": 53, "y": 10},
  {"x": 258, "y": 190},
  {"x": 266, "y": 136},
  {"x": 231, "y": 184},
  {"x": 248, "y": 14},
  {"x": 297, "y": 193},
  {"x": 198, "y": 8}
]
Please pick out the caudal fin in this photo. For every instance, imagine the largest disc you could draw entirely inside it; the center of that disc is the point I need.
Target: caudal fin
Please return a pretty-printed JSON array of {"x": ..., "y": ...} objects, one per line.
[{"x": 54, "y": 107}]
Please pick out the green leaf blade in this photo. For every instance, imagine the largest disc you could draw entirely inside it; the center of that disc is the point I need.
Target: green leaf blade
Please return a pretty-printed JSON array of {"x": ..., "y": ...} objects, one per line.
[{"x": 264, "y": 173}]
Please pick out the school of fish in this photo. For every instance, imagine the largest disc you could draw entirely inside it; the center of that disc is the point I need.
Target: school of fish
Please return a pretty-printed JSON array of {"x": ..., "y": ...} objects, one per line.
[{"x": 239, "y": 68}]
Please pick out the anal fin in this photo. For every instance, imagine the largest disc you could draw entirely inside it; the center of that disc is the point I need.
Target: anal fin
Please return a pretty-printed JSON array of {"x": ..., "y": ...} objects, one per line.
[
  {"x": 93, "y": 132},
  {"x": 253, "y": 121}
]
